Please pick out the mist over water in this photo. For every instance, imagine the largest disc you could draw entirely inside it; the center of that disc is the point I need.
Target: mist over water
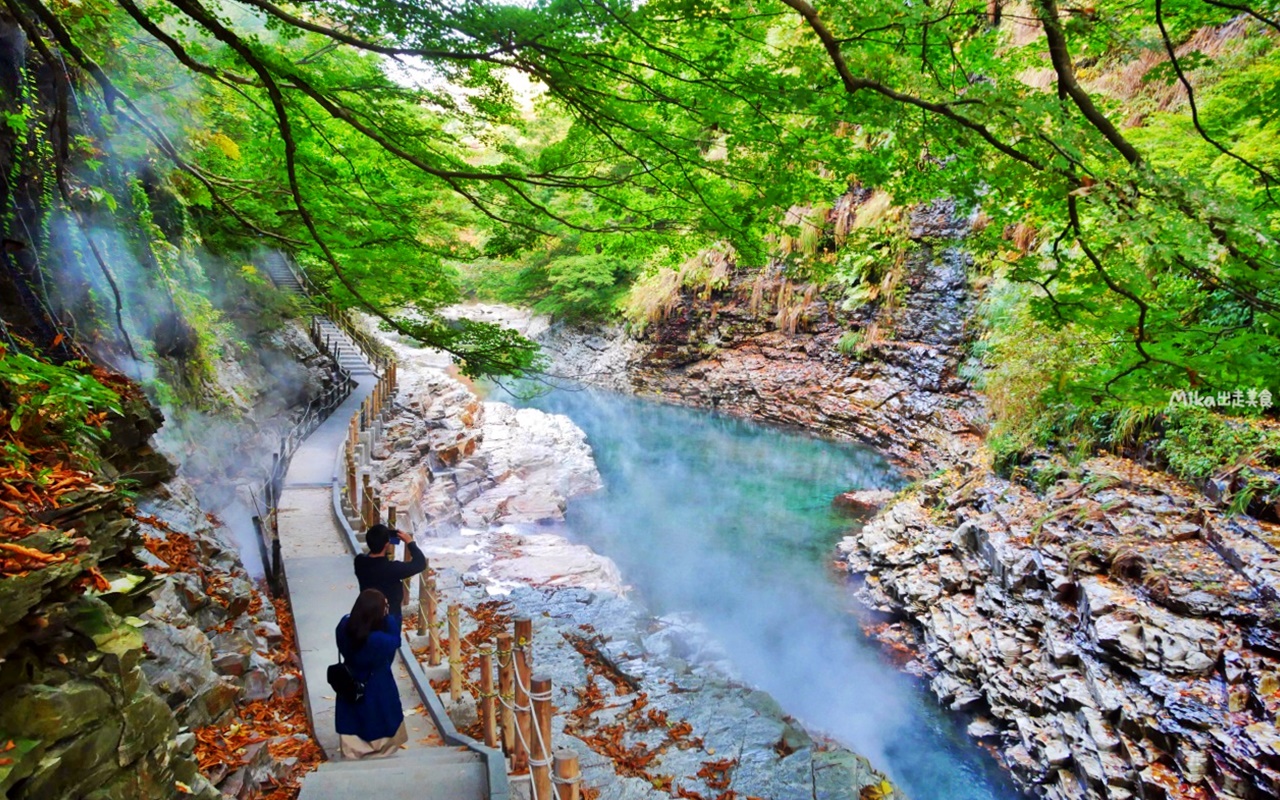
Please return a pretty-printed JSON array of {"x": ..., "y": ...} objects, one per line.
[{"x": 732, "y": 522}]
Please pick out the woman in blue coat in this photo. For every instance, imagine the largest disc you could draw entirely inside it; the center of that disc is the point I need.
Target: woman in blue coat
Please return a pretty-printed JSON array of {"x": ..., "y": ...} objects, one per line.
[{"x": 368, "y": 638}]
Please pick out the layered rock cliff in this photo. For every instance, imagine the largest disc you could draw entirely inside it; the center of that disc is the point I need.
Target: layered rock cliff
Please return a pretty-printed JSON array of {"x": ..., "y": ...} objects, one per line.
[
  {"x": 80, "y": 718},
  {"x": 1115, "y": 634},
  {"x": 139, "y": 656},
  {"x": 898, "y": 389}
]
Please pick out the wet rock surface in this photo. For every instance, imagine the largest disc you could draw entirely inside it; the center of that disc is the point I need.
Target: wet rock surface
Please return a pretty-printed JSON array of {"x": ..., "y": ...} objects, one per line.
[{"x": 1115, "y": 634}]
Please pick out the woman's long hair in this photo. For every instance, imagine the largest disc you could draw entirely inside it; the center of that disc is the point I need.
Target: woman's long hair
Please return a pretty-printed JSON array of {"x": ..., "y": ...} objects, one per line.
[{"x": 369, "y": 614}]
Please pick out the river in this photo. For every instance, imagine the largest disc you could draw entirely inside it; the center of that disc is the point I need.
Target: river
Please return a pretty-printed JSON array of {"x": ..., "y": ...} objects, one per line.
[{"x": 732, "y": 522}]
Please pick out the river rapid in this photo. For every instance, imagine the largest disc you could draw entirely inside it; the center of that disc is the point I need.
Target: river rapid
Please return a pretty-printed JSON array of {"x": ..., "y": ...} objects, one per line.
[{"x": 731, "y": 524}]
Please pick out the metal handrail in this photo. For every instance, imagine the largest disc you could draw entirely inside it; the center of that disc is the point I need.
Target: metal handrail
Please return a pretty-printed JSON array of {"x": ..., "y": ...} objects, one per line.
[
  {"x": 368, "y": 345},
  {"x": 316, "y": 412}
]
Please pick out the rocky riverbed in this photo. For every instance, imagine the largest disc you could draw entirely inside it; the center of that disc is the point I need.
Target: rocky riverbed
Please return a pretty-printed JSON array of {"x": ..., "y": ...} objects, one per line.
[{"x": 649, "y": 704}]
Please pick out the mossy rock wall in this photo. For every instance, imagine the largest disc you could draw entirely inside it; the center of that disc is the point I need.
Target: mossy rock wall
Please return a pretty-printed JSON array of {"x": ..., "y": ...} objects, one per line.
[{"x": 79, "y": 719}]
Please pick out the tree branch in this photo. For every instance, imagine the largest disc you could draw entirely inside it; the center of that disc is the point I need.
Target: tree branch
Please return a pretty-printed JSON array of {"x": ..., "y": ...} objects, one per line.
[
  {"x": 1267, "y": 178},
  {"x": 853, "y": 85},
  {"x": 1060, "y": 57}
]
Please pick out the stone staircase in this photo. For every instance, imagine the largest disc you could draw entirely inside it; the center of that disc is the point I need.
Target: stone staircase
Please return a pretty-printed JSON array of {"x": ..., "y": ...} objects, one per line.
[
  {"x": 317, "y": 569},
  {"x": 284, "y": 277},
  {"x": 446, "y": 773}
]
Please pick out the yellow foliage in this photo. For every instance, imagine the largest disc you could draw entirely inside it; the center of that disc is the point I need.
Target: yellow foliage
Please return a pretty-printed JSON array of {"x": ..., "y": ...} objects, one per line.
[
  {"x": 251, "y": 275},
  {"x": 876, "y": 791},
  {"x": 228, "y": 147}
]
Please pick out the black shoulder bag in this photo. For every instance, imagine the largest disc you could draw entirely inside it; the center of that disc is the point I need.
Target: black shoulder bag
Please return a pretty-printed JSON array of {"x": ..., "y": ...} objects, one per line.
[{"x": 344, "y": 681}]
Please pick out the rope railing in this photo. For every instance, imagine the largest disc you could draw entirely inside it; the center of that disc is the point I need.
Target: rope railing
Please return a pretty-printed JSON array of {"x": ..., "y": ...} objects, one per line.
[
  {"x": 357, "y": 505},
  {"x": 515, "y": 715},
  {"x": 362, "y": 503}
]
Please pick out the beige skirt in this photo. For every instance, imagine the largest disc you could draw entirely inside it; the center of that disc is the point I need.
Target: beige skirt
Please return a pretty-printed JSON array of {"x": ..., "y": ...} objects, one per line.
[{"x": 355, "y": 747}]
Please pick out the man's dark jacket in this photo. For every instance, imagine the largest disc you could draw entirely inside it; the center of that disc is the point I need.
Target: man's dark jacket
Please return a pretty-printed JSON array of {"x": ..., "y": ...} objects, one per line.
[{"x": 386, "y": 574}]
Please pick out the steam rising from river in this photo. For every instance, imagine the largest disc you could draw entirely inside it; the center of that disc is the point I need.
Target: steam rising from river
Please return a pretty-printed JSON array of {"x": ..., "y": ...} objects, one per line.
[{"x": 733, "y": 522}]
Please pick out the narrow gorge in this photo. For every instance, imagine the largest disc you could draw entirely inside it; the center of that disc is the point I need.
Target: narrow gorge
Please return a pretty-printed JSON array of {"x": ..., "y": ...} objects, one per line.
[{"x": 791, "y": 400}]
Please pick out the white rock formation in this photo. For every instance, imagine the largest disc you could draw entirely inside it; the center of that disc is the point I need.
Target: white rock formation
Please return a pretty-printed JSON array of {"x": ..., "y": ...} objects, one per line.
[{"x": 484, "y": 485}]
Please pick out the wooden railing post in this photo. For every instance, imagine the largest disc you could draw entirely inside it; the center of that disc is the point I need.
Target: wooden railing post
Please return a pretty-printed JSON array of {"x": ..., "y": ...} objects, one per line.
[
  {"x": 351, "y": 484},
  {"x": 524, "y": 720},
  {"x": 455, "y": 655},
  {"x": 271, "y": 482},
  {"x": 422, "y": 601},
  {"x": 506, "y": 681},
  {"x": 366, "y": 504},
  {"x": 392, "y": 518},
  {"x": 540, "y": 758},
  {"x": 488, "y": 700},
  {"x": 568, "y": 775},
  {"x": 433, "y": 631}
]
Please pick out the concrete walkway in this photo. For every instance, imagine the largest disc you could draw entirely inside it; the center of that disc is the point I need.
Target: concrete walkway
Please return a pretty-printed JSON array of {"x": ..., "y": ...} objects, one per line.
[
  {"x": 317, "y": 564},
  {"x": 322, "y": 588}
]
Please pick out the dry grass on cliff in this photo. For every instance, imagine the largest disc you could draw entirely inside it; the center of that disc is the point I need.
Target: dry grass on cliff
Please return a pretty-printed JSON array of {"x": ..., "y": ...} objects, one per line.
[
  {"x": 654, "y": 298},
  {"x": 810, "y": 223},
  {"x": 794, "y": 304}
]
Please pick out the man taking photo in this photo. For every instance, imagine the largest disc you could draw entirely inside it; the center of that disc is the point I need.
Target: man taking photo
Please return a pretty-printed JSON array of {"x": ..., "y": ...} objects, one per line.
[{"x": 378, "y": 569}]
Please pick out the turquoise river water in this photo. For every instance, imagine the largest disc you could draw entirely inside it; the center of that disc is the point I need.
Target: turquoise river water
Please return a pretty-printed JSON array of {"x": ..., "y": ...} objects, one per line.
[{"x": 732, "y": 522}]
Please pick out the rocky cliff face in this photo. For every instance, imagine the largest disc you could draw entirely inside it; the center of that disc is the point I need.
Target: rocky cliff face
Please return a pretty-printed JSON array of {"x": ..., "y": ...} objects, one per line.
[
  {"x": 1116, "y": 635},
  {"x": 1113, "y": 632},
  {"x": 899, "y": 393},
  {"x": 144, "y": 660},
  {"x": 80, "y": 718}
]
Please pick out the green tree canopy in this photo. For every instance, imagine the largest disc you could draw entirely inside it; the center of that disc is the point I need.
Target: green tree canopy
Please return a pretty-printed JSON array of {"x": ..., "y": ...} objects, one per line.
[{"x": 693, "y": 121}]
